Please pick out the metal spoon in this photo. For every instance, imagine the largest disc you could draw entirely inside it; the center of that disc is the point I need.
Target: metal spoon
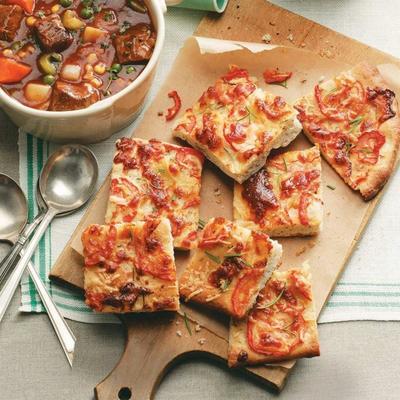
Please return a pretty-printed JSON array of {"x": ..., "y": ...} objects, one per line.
[
  {"x": 66, "y": 183},
  {"x": 14, "y": 210}
]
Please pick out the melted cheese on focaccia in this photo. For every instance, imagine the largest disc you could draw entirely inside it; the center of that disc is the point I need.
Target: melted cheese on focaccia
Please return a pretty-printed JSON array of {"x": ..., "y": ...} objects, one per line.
[
  {"x": 281, "y": 325},
  {"x": 229, "y": 266},
  {"x": 237, "y": 123},
  {"x": 347, "y": 116},
  {"x": 284, "y": 196},
  {"x": 151, "y": 179},
  {"x": 130, "y": 267}
]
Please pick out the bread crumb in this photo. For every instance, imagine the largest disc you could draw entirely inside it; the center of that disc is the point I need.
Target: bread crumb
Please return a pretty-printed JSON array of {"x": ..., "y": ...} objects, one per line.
[
  {"x": 201, "y": 341},
  {"x": 197, "y": 328},
  {"x": 301, "y": 251},
  {"x": 290, "y": 37},
  {"x": 303, "y": 81},
  {"x": 326, "y": 53},
  {"x": 267, "y": 38},
  {"x": 217, "y": 192},
  {"x": 176, "y": 322},
  {"x": 302, "y": 44},
  {"x": 160, "y": 113},
  {"x": 272, "y": 23},
  {"x": 179, "y": 333}
]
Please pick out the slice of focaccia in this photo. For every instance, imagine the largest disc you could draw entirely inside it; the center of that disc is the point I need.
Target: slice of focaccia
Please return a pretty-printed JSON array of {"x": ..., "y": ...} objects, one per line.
[
  {"x": 229, "y": 267},
  {"x": 354, "y": 119},
  {"x": 130, "y": 267},
  {"x": 284, "y": 198},
  {"x": 235, "y": 124},
  {"x": 152, "y": 179},
  {"x": 281, "y": 326}
]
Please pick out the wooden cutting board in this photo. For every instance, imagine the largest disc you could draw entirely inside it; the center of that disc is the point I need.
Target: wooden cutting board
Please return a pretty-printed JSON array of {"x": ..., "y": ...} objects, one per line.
[{"x": 153, "y": 342}]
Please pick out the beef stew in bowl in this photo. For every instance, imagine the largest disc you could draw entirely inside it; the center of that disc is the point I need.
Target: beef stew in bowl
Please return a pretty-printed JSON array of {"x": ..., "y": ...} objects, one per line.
[{"x": 68, "y": 54}]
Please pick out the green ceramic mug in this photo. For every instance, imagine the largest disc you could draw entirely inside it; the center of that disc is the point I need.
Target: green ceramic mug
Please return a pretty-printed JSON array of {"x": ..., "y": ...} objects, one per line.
[{"x": 207, "y": 5}]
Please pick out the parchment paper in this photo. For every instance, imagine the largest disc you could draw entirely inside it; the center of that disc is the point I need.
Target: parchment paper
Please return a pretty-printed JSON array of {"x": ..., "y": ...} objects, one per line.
[{"x": 200, "y": 62}]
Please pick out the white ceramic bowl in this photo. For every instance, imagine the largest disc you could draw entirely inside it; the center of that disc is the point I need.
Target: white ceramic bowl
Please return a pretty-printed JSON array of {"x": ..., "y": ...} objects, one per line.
[{"x": 100, "y": 120}]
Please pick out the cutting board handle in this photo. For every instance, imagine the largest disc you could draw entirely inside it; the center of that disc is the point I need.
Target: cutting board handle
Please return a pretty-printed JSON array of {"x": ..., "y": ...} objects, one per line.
[{"x": 154, "y": 343}]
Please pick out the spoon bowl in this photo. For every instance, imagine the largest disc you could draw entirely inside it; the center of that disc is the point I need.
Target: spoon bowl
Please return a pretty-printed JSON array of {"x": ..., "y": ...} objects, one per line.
[
  {"x": 13, "y": 209},
  {"x": 68, "y": 178}
]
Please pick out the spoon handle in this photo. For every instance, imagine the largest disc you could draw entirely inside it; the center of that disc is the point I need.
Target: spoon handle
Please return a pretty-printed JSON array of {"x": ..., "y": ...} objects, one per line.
[
  {"x": 63, "y": 331},
  {"x": 12, "y": 282},
  {"x": 8, "y": 261}
]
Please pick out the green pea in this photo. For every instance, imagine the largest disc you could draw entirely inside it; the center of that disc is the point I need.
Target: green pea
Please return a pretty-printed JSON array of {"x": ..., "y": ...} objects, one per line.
[
  {"x": 87, "y": 13},
  {"x": 66, "y": 3},
  {"x": 116, "y": 68},
  {"x": 130, "y": 69},
  {"x": 49, "y": 79}
]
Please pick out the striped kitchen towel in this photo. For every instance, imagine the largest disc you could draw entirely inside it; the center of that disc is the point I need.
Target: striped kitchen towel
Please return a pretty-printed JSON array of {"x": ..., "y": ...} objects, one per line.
[{"x": 369, "y": 288}]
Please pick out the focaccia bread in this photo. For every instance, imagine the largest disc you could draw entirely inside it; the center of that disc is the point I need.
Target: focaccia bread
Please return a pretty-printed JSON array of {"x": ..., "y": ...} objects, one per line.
[
  {"x": 281, "y": 326},
  {"x": 229, "y": 267},
  {"x": 354, "y": 119},
  {"x": 285, "y": 197},
  {"x": 152, "y": 179},
  {"x": 235, "y": 124},
  {"x": 130, "y": 267}
]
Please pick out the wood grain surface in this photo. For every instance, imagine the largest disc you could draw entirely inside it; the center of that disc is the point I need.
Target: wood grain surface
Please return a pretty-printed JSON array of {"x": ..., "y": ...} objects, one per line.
[{"x": 152, "y": 344}]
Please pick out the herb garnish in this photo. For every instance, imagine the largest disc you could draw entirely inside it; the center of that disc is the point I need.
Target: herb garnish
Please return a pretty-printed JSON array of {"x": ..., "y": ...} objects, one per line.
[
  {"x": 356, "y": 121},
  {"x": 187, "y": 324},
  {"x": 212, "y": 257},
  {"x": 201, "y": 224},
  {"x": 277, "y": 298},
  {"x": 224, "y": 284},
  {"x": 331, "y": 187},
  {"x": 283, "y": 84}
]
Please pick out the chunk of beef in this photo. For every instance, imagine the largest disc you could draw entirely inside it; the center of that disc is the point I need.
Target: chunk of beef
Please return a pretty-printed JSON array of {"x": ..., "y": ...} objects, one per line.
[
  {"x": 135, "y": 44},
  {"x": 10, "y": 20},
  {"x": 69, "y": 96},
  {"x": 52, "y": 34}
]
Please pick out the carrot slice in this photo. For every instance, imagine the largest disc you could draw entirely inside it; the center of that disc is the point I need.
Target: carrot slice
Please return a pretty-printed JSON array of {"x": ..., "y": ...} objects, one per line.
[
  {"x": 12, "y": 71},
  {"x": 27, "y": 5}
]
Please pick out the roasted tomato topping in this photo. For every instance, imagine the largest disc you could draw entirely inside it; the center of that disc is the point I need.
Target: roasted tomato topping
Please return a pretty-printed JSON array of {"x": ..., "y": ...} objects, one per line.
[
  {"x": 244, "y": 291},
  {"x": 215, "y": 233},
  {"x": 320, "y": 132},
  {"x": 150, "y": 259},
  {"x": 301, "y": 180},
  {"x": 235, "y": 134},
  {"x": 274, "y": 110},
  {"x": 257, "y": 191},
  {"x": 230, "y": 268},
  {"x": 341, "y": 104},
  {"x": 208, "y": 135},
  {"x": 305, "y": 201},
  {"x": 368, "y": 147},
  {"x": 172, "y": 111},
  {"x": 383, "y": 100},
  {"x": 235, "y": 73},
  {"x": 124, "y": 149},
  {"x": 274, "y": 76}
]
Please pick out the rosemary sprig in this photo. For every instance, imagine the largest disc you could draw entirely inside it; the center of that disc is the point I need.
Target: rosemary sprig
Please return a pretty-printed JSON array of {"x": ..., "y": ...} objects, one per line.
[
  {"x": 277, "y": 298},
  {"x": 212, "y": 257},
  {"x": 201, "y": 224},
  {"x": 187, "y": 323},
  {"x": 331, "y": 187},
  {"x": 356, "y": 121}
]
